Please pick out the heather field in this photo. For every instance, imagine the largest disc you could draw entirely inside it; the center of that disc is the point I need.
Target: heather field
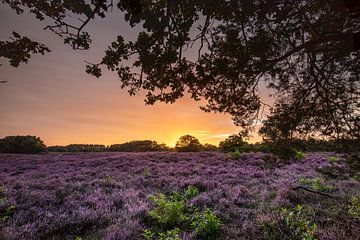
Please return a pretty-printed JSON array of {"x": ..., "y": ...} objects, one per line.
[{"x": 118, "y": 196}]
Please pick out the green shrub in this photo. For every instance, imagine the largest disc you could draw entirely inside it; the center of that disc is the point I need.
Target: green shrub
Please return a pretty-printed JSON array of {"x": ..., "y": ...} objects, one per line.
[
  {"x": 148, "y": 234},
  {"x": 290, "y": 224},
  {"x": 22, "y": 144},
  {"x": 316, "y": 184},
  {"x": 6, "y": 210},
  {"x": 236, "y": 154},
  {"x": 354, "y": 206},
  {"x": 299, "y": 155},
  {"x": 206, "y": 225},
  {"x": 190, "y": 192},
  {"x": 298, "y": 226},
  {"x": 171, "y": 214},
  {"x": 332, "y": 159},
  {"x": 167, "y": 212},
  {"x": 169, "y": 235}
]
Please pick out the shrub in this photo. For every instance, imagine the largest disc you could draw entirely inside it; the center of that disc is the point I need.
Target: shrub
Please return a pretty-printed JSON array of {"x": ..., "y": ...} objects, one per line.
[
  {"x": 173, "y": 214},
  {"x": 298, "y": 226},
  {"x": 169, "y": 235},
  {"x": 6, "y": 210},
  {"x": 22, "y": 144},
  {"x": 172, "y": 234},
  {"x": 148, "y": 234},
  {"x": 354, "y": 206},
  {"x": 292, "y": 224},
  {"x": 316, "y": 184},
  {"x": 190, "y": 192},
  {"x": 332, "y": 159},
  {"x": 299, "y": 155},
  {"x": 206, "y": 225},
  {"x": 188, "y": 143},
  {"x": 236, "y": 154},
  {"x": 167, "y": 212}
]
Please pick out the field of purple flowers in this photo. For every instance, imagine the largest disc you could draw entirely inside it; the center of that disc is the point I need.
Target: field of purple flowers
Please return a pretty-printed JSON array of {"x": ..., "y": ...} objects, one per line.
[{"x": 106, "y": 195}]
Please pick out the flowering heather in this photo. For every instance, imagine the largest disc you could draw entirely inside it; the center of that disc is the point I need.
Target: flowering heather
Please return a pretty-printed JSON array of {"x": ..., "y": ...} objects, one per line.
[{"x": 106, "y": 195}]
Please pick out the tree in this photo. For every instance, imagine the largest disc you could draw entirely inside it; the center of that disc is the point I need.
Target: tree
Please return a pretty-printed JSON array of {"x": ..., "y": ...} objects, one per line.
[
  {"x": 22, "y": 144},
  {"x": 188, "y": 143},
  {"x": 304, "y": 51},
  {"x": 233, "y": 143},
  {"x": 209, "y": 147}
]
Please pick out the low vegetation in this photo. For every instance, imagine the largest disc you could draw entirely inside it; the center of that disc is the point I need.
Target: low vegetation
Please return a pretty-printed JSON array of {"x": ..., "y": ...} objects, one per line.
[{"x": 170, "y": 195}]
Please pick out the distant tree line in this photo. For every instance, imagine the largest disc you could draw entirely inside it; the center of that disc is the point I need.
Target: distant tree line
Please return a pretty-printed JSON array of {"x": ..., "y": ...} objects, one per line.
[
  {"x": 138, "y": 146},
  {"x": 187, "y": 143},
  {"x": 33, "y": 144}
]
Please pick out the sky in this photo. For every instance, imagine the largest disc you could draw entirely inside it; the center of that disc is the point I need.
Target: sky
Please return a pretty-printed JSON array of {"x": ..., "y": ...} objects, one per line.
[{"x": 52, "y": 97}]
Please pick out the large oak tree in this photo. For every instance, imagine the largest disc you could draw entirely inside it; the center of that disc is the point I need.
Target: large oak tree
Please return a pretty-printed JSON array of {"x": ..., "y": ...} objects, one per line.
[{"x": 305, "y": 51}]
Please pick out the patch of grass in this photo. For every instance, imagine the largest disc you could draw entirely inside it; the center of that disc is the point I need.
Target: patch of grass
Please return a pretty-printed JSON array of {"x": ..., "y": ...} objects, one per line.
[
  {"x": 206, "y": 225},
  {"x": 290, "y": 224},
  {"x": 354, "y": 206},
  {"x": 167, "y": 212},
  {"x": 236, "y": 154},
  {"x": 171, "y": 214},
  {"x": 316, "y": 184},
  {"x": 333, "y": 159},
  {"x": 299, "y": 155}
]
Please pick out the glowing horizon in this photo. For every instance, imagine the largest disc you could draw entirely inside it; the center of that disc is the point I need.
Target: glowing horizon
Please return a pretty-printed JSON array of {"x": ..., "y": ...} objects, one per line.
[{"x": 53, "y": 98}]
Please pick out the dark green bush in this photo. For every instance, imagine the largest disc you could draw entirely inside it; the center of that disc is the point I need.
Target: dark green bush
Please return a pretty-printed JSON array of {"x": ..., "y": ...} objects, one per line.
[{"x": 22, "y": 144}]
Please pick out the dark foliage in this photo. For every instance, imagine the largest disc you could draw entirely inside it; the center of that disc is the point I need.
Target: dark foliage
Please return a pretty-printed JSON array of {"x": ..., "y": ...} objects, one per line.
[
  {"x": 209, "y": 147},
  {"x": 305, "y": 51},
  {"x": 233, "y": 143},
  {"x": 20, "y": 48},
  {"x": 78, "y": 148},
  {"x": 22, "y": 144},
  {"x": 138, "y": 146},
  {"x": 188, "y": 143}
]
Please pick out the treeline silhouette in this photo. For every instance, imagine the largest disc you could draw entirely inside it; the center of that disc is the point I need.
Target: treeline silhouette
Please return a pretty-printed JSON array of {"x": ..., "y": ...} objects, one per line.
[
  {"x": 187, "y": 143},
  {"x": 132, "y": 146}
]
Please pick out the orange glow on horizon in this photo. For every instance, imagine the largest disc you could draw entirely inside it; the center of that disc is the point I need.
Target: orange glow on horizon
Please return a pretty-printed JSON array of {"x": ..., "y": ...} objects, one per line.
[{"x": 52, "y": 97}]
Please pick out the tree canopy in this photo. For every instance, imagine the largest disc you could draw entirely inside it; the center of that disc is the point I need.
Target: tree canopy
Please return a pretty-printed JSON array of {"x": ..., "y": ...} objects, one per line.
[
  {"x": 188, "y": 143},
  {"x": 305, "y": 51}
]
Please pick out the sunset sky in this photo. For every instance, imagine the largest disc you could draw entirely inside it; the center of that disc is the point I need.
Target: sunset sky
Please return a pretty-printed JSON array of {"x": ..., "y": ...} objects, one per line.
[{"x": 52, "y": 97}]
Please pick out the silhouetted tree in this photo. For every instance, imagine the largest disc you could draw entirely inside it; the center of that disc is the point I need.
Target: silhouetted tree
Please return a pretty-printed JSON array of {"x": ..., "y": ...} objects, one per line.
[
  {"x": 138, "y": 146},
  {"x": 233, "y": 143},
  {"x": 22, "y": 144},
  {"x": 305, "y": 51},
  {"x": 188, "y": 143},
  {"x": 209, "y": 147}
]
